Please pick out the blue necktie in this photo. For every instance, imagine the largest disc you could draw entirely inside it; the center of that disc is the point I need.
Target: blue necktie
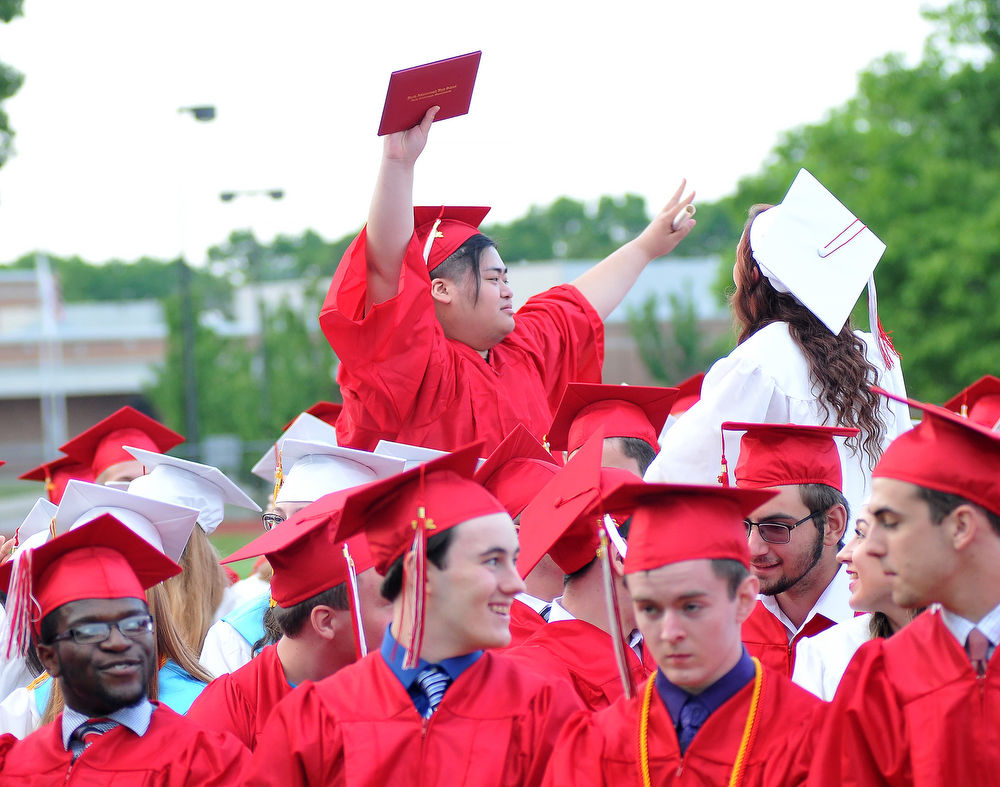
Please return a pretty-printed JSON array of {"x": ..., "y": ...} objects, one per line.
[
  {"x": 692, "y": 716},
  {"x": 433, "y": 680},
  {"x": 87, "y": 733}
]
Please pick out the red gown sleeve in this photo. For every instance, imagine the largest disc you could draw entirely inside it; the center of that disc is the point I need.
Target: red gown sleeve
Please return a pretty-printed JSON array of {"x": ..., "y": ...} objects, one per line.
[
  {"x": 295, "y": 741},
  {"x": 863, "y": 740},
  {"x": 578, "y": 754},
  {"x": 390, "y": 356},
  {"x": 221, "y": 706}
]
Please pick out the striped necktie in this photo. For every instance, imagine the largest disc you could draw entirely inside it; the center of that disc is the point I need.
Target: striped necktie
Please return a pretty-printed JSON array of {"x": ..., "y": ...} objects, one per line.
[
  {"x": 88, "y": 732},
  {"x": 433, "y": 680}
]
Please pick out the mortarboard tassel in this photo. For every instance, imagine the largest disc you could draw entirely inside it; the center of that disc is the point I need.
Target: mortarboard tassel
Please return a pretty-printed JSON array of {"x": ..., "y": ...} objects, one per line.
[
  {"x": 279, "y": 476},
  {"x": 420, "y": 525},
  {"x": 614, "y": 612},
  {"x": 17, "y": 634},
  {"x": 354, "y": 599},
  {"x": 723, "y": 477},
  {"x": 887, "y": 351}
]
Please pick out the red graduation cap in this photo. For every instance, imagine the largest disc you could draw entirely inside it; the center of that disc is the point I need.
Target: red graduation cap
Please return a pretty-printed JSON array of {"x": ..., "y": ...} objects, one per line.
[
  {"x": 57, "y": 473},
  {"x": 688, "y": 392},
  {"x": 672, "y": 523},
  {"x": 100, "y": 446},
  {"x": 611, "y": 411},
  {"x": 517, "y": 470},
  {"x": 301, "y": 550},
  {"x": 102, "y": 559},
  {"x": 442, "y": 229},
  {"x": 946, "y": 452},
  {"x": 979, "y": 402},
  {"x": 786, "y": 454},
  {"x": 565, "y": 517},
  {"x": 400, "y": 513},
  {"x": 327, "y": 412}
]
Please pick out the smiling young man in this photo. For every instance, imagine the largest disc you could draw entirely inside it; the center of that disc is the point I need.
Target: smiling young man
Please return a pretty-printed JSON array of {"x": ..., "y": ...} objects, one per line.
[
  {"x": 435, "y": 705},
  {"x": 794, "y": 537},
  {"x": 421, "y": 316},
  {"x": 919, "y": 707},
  {"x": 711, "y": 714},
  {"x": 95, "y": 636}
]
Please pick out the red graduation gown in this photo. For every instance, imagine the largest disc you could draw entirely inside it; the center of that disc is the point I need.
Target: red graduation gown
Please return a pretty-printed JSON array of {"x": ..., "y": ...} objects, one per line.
[
  {"x": 240, "y": 702},
  {"x": 582, "y": 654},
  {"x": 172, "y": 752},
  {"x": 765, "y": 638},
  {"x": 603, "y": 748},
  {"x": 524, "y": 622},
  {"x": 911, "y": 711},
  {"x": 495, "y": 726},
  {"x": 403, "y": 380}
]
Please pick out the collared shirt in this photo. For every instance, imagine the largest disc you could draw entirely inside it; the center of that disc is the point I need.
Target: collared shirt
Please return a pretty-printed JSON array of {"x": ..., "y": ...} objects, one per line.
[
  {"x": 559, "y": 613},
  {"x": 960, "y": 627},
  {"x": 537, "y": 604},
  {"x": 394, "y": 653},
  {"x": 714, "y": 696},
  {"x": 833, "y": 604},
  {"x": 135, "y": 717}
]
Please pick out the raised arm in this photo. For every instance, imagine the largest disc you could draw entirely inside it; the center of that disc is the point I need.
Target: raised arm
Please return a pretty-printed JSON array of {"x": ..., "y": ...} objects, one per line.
[
  {"x": 390, "y": 216},
  {"x": 607, "y": 283}
]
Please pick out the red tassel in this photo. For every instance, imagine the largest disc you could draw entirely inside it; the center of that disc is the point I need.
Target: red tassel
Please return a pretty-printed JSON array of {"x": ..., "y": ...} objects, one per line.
[
  {"x": 19, "y": 608},
  {"x": 889, "y": 353},
  {"x": 723, "y": 477}
]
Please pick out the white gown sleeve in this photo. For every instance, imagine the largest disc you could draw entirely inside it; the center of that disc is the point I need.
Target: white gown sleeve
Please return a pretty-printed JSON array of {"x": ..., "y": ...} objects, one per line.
[
  {"x": 19, "y": 713},
  {"x": 736, "y": 388},
  {"x": 224, "y": 650}
]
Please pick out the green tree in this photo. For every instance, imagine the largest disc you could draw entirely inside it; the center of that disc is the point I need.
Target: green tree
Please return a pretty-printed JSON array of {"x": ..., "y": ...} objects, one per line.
[
  {"x": 10, "y": 82},
  {"x": 682, "y": 348}
]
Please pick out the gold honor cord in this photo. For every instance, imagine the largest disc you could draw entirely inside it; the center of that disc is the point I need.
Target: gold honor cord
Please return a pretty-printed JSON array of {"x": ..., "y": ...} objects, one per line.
[{"x": 749, "y": 730}]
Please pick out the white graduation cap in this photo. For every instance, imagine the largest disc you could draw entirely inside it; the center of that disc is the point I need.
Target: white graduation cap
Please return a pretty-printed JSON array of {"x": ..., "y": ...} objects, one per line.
[
  {"x": 413, "y": 455},
  {"x": 38, "y": 520},
  {"x": 305, "y": 427},
  {"x": 185, "y": 483},
  {"x": 316, "y": 469},
  {"x": 164, "y": 525},
  {"x": 813, "y": 247}
]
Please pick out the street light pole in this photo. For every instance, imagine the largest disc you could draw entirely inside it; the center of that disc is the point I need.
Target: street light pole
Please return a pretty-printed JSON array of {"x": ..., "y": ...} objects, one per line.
[{"x": 201, "y": 114}]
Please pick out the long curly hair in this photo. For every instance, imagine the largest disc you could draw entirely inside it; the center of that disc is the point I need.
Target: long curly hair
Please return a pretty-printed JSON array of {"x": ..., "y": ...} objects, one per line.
[{"x": 837, "y": 363}]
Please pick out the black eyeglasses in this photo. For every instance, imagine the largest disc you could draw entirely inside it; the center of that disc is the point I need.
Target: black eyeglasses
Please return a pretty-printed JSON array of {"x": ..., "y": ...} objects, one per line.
[
  {"x": 94, "y": 633},
  {"x": 776, "y": 532},
  {"x": 271, "y": 519}
]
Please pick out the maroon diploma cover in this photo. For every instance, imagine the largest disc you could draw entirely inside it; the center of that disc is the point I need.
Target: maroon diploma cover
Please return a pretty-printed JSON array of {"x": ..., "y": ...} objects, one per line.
[{"x": 412, "y": 91}]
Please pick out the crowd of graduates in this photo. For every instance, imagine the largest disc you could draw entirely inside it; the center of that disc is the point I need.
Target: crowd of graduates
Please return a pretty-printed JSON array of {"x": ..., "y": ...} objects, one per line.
[{"x": 487, "y": 567}]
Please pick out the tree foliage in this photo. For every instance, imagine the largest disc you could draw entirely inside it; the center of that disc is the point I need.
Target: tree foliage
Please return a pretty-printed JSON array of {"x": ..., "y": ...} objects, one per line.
[
  {"x": 10, "y": 82},
  {"x": 915, "y": 153}
]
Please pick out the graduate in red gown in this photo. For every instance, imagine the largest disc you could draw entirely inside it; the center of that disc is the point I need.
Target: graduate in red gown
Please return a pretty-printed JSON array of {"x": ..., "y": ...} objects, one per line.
[
  {"x": 563, "y": 521},
  {"x": 95, "y": 636},
  {"x": 436, "y": 704},
  {"x": 514, "y": 473},
  {"x": 312, "y": 595},
  {"x": 919, "y": 708},
  {"x": 795, "y": 536},
  {"x": 711, "y": 715},
  {"x": 420, "y": 315}
]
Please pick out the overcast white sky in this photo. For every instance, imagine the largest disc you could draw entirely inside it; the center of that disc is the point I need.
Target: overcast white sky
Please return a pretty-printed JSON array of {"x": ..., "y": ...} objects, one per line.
[{"x": 573, "y": 98}]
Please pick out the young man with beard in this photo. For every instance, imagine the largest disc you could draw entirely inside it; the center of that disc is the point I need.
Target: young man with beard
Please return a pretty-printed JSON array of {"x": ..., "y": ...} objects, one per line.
[
  {"x": 436, "y": 704},
  {"x": 712, "y": 714},
  {"x": 421, "y": 316},
  {"x": 794, "y": 537},
  {"x": 95, "y": 636},
  {"x": 919, "y": 708}
]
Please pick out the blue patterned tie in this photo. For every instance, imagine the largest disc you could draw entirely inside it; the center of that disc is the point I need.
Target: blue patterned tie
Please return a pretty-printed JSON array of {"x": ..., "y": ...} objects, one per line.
[
  {"x": 87, "y": 733},
  {"x": 433, "y": 680},
  {"x": 692, "y": 716}
]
